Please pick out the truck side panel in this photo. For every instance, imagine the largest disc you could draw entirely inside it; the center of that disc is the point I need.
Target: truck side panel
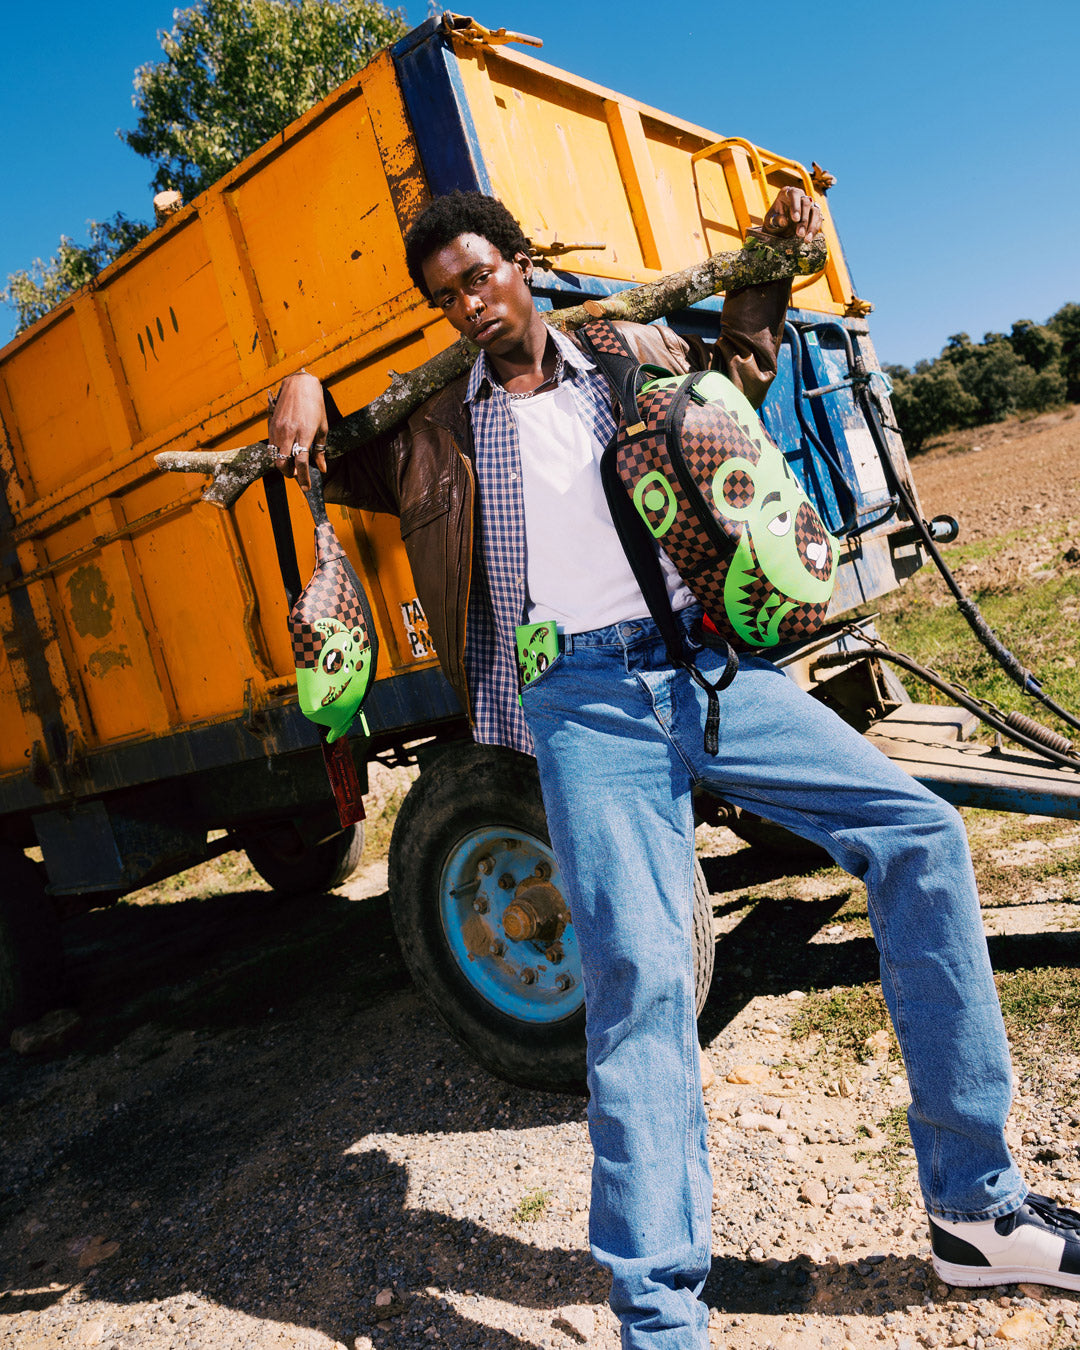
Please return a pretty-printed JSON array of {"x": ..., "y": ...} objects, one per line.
[
  {"x": 142, "y": 629},
  {"x": 659, "y": 192},
  {"x": 151, "y": 615}
]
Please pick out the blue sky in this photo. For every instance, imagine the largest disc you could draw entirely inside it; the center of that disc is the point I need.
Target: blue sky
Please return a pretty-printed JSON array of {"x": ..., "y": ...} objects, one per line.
[{"x": 951, "y": 128}]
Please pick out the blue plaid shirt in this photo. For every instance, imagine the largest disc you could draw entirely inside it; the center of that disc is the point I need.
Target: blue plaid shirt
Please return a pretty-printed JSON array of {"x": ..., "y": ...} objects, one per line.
[{"x": 497, "y": 598}]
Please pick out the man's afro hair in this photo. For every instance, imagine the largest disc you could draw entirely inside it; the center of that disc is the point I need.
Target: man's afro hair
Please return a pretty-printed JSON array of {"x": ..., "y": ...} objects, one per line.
[{"x": 442, "y": 220}]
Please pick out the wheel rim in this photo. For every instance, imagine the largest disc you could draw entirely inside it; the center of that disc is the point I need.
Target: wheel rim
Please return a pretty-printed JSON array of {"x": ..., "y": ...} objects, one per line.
[{"x": 488, "y": 873}]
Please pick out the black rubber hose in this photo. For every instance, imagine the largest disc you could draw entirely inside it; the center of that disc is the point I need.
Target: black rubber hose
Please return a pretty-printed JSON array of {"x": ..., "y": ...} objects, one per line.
[
  {"x": 957, "y": 696},
  {"x": 848, "y": 526},
  {"x": 1012, "y": 666}
]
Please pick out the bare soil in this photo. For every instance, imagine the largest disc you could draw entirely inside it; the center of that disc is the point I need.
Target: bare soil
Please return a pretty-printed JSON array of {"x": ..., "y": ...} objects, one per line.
[
  {"x": 1015, "y": 476},
  {"x": 261, "y": 1137}
]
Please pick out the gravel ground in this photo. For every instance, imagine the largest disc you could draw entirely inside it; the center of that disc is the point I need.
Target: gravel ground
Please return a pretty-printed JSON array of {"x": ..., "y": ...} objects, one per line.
[
  {"x": 260, "y": 1137},
  {"x": 250, "y": 1146}
]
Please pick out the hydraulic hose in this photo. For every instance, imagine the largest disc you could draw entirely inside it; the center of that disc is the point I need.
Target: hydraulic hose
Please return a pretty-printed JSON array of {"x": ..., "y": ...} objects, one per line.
[
  {"x": 836, "y": 473},
  {"x": 1013, "y": 730},
  {"x": 870, "y": 404}
]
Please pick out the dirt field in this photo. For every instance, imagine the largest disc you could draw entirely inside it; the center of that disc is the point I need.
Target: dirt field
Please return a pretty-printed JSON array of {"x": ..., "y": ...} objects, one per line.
[
  {"x": 1009, "y": 477},
  {"x": 260, "y": 1136}
]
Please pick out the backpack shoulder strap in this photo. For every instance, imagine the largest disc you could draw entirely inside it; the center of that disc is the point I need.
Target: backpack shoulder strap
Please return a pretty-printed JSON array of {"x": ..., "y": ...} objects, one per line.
[
  {"x": 617, "y": 363},
  {"x": 277, "y": 503},
  {"x": 641, "y": 552}
]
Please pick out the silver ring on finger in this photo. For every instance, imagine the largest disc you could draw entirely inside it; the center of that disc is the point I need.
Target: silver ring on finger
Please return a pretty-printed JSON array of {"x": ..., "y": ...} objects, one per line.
[{"x": 298, "y": 449}]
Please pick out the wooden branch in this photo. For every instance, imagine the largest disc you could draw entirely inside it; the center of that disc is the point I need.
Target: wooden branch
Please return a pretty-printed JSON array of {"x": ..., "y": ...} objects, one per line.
[{"x": 761, "y": 260}]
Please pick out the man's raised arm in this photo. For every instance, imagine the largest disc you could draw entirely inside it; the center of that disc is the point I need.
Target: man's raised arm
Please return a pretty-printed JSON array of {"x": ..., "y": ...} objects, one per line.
[{"x": 752, "y": 325}]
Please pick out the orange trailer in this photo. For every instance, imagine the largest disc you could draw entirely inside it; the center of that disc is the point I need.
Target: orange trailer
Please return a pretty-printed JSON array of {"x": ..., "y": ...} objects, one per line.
[{"x": 146, "y": 689}]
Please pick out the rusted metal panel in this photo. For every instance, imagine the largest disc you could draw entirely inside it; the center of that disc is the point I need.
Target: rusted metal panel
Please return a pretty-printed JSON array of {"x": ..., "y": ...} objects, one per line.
[{"x": 397, "y": 144}]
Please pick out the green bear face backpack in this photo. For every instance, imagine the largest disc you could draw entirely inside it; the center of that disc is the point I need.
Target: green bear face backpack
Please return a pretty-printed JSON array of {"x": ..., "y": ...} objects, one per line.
[{"x": 691, "y": 467}]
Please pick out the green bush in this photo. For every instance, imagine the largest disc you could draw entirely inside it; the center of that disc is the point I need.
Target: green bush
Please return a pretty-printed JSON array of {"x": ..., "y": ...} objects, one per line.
[{"x": 1035, "y": 367}]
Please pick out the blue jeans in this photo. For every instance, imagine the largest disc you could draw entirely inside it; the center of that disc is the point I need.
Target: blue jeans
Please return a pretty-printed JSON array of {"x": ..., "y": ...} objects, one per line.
[{"x": 619, "y": 742}]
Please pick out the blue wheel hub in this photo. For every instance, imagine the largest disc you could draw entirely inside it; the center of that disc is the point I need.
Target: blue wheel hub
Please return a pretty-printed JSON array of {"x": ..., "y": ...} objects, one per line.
[{"x": 507, "y": 925}]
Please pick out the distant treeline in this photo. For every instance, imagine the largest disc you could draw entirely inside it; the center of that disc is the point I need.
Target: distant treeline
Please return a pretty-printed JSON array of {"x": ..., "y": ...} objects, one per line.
[{"x": 1034, "y": 367}]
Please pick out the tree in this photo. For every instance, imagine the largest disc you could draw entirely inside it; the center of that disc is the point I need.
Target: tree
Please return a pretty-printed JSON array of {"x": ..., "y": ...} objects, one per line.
[
  {"x": 35, "y": 290},
  {"x": 958, "y": 350},
  {"x": 1036, "y": 366},
  {"x": 1001, "y": 383},
  {"x": 1066, "y": 325},
  {"x": 930, "y": 400},
  {"x": 237, "y": 71},
  {"x": 1036, "y": 344}
]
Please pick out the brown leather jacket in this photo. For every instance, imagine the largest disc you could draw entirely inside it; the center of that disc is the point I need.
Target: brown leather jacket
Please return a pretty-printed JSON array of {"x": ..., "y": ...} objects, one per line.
[{"x": 425, "y": 475}]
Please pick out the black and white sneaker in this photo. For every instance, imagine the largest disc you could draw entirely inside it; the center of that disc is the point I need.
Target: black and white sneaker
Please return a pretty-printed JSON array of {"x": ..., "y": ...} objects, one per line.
[{"x": 1038, "y": 1244}]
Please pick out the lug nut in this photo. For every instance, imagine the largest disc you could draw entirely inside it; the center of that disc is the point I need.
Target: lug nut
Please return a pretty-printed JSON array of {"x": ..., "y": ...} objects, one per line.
[
  {"x": 497, "y": 948},
  {"x": 519, "y": 922},
  {"x": 506, "y": 881},
  {"x": 486, "y": 865},
  {"x": 542, "y": 869},
  {"x": 528, "y": 975},
  {"x": 564, "y": 982},
  {"x": 480, "y": 904}
]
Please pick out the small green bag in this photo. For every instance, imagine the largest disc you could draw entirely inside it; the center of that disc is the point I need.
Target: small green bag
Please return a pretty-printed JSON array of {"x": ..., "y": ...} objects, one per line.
[{"x": 537, "y": 648}]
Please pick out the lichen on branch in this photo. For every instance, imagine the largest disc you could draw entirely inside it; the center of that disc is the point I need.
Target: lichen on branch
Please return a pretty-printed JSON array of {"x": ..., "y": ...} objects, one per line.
[{"x": 761, "y": 260}]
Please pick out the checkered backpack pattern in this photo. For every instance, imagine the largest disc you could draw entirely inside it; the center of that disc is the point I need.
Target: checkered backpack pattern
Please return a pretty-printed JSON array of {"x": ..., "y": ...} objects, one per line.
[
  {"x": 334, "y": 645},
  {"x": 691, "y": 467},
  {"x": 333, "y": 634}
]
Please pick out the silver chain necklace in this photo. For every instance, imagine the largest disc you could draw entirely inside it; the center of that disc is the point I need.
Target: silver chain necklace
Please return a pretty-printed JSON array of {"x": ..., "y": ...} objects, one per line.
[{"x": 554, "y": 378}]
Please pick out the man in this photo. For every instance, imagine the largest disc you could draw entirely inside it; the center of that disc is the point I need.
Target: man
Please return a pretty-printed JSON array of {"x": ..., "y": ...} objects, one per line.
[{"x": 617, "y": 732}]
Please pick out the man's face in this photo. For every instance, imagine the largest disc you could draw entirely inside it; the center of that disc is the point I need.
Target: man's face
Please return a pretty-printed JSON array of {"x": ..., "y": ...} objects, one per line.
[{"x": 484, "y": 295}]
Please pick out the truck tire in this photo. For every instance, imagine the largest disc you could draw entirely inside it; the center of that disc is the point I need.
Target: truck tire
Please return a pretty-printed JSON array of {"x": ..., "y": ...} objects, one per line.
[
  {"x": 472, "y": 820},
  {"x": 31, "y": 955},
  {"x": 292, "y": 868}
]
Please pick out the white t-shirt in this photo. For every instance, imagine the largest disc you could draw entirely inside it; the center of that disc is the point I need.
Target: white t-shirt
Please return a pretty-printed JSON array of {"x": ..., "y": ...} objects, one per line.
[{"x": 578, "y": 575}]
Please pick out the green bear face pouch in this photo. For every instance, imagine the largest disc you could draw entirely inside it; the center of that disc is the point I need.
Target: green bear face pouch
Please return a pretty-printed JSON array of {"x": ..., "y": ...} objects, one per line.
[
  {"x": 333, "y": 635},
  {"x": 537, "y": 648}
]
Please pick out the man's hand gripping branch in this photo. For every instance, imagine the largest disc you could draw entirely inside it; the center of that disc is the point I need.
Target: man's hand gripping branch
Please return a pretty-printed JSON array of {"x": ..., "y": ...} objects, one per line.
[{"x": 297, "y": 430}]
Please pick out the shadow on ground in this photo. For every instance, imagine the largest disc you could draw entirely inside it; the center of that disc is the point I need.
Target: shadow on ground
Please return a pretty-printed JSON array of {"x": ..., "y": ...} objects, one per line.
[
  {"x": 236, "y": 1052},
  {"x": 220, "y": 1120}
]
